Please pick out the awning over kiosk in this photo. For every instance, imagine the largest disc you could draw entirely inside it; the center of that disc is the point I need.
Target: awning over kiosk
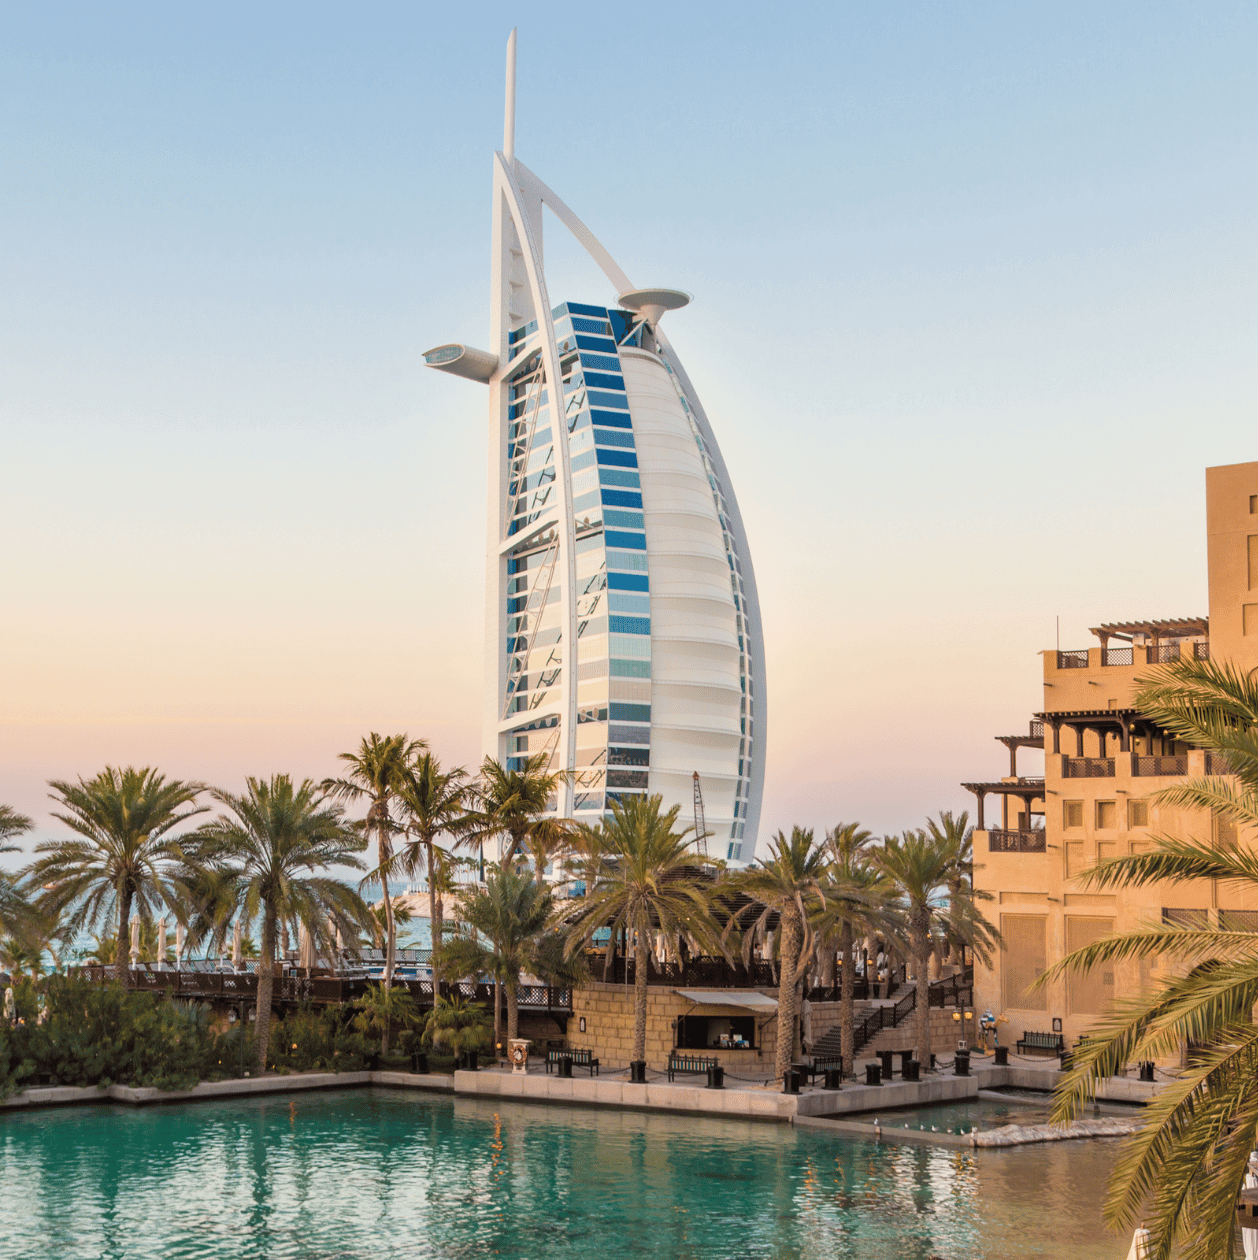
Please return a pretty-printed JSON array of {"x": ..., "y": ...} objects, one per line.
[{"x": 729, "y": 997}]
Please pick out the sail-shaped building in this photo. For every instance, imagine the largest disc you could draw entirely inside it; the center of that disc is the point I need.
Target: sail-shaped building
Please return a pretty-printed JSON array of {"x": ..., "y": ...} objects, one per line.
[{"x": 622, "y": 630}]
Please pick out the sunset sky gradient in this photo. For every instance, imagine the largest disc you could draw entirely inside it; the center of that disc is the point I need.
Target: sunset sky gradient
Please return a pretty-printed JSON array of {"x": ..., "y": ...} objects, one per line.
[{"x": 974, "y": 308}]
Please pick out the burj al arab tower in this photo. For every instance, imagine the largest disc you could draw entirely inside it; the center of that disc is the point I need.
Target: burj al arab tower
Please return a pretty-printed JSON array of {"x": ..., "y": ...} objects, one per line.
[{"x": 622, "y": 630}]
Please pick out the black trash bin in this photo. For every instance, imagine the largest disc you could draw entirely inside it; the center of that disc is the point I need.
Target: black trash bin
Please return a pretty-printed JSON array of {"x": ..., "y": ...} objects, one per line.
[
  {"x": 833, "y": 1078},
  {"x": 790, "y": 1081},
  {"x": 888, "y": 1058},
  {"x": 912, "y": 1070},
  {"x": 419, "y": 1062},
  {"x": 471, "y": 1061},
  {"x": 637, "y": 1072},
  {"x": 962, "y": 1067},
  {"x": 1002, "y": 1056},
  {"x": 873, "y": 1074},
  {"x": 1146, "y": 1070},
  {"x": 716, "y": 1076},
  {"x": 371, "y": 1062},
  {"x": 565, "y": 1066}
]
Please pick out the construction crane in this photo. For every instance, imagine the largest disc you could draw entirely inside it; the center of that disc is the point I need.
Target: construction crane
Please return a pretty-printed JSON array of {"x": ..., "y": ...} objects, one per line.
[{"x": 701, "y": 831}]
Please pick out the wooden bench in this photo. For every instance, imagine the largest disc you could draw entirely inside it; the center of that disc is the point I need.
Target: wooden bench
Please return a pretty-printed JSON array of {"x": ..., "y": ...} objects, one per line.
[
  {"x": 688, "y": 1065},
  {"x": 580, "y": 1058},
  {"x": 1052, "y": 1043},
  {"x": 818, "y": 1067}
]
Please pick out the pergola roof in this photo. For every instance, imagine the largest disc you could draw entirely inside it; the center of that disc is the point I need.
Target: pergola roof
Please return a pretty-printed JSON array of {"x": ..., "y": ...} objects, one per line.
[
  {"x": 1090, "y": 715},
  {"x": 1012, "y": 787},
  {"x": 1158, "y": 628}
]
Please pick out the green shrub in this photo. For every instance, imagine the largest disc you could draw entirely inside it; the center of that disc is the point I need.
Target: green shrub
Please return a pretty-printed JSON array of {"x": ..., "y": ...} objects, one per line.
[{"x": 94, "y": 1034}]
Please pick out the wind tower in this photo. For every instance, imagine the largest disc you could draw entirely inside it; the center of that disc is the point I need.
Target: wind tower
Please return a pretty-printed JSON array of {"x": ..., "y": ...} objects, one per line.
[{"x": 622, "y": 626}]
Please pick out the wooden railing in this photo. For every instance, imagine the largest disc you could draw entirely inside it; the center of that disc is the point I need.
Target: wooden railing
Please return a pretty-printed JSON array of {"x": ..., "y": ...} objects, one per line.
[
  {"x": 699, "y": 970},
  {"x": 320, "y": 990},
  {"x": 1161, "y": 765},
  {"x": 1000, "y": 840},
  {"x": 1088, "y": 767}
]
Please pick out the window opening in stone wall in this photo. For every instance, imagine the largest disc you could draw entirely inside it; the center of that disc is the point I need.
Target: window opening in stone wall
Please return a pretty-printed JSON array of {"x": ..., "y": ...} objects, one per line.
[
  {"x": 1137, "y": 813},
  {"x": 1072, "y": 814}
]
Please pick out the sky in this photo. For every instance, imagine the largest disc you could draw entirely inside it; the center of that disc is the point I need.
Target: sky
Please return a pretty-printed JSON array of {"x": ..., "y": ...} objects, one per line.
[{"x": 973, "y": 310}]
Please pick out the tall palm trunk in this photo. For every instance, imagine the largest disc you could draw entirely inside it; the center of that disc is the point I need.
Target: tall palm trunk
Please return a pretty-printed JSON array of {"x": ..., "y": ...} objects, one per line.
[
  {"x": 513, "y": 1011},
  {"x": 435, "y": 911},
  {"x": 390, "y": 928},
  {"x": 497, "y": 1014},
  {"x": 919, "y": 939},
  {"x": 266, "y": 987},
  {"x": 789, "y": 934},
  {"x": 847, "y": 995},
  {"x": 122, "y": 959},
  {"x": 639, "y": 995}
]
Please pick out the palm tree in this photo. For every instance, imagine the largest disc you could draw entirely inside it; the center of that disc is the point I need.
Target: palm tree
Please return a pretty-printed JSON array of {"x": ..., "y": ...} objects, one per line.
[
  {"x": 1182, "y": 1171},
  {"x": 17, "y": 915},
  {"x": 378, "y": 771},
  {"x": 648, "y": 883},
  {"x": 513, "y": 804},
  {"x": 433, "y": 803},
  {"x": 924, "y": 874},
  {"x": 502, "y": 931},
  {"x": 956, "y": 834},
  {"x": 857, "y": 900},
  {"x": 378, "y": 926},
  {"x": 124, "y": 855},
  {"x": 380, "y": 1010},
  {"x": 788, "y": 887},
  {"x": 271, "y": 842},
  {"x": 457, "y": 1026}
]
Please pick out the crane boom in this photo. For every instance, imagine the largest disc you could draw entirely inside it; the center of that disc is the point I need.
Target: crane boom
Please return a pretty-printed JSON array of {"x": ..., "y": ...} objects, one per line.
[{"x": 701, "y": 830}]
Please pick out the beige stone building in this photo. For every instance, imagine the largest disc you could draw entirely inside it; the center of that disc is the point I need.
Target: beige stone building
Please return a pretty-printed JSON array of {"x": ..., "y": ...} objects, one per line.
[{"x": 1102, "y": 763}]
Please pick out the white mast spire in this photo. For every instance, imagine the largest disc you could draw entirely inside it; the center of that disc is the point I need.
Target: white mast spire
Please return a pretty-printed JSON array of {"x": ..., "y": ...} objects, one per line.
[{"x": 508, "y": 124}]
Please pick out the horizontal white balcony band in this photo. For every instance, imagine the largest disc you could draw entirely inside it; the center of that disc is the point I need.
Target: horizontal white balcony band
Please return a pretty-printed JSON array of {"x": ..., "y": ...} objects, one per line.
[
  {"x": 708, "y": 728},
  {"x": 533, "y": 715},
  {"x": 692, "y": 635}
]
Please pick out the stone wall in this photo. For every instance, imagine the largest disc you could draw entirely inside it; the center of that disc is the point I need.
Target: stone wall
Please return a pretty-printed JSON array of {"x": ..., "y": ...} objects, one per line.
[{"x": 608, "y": 1013}]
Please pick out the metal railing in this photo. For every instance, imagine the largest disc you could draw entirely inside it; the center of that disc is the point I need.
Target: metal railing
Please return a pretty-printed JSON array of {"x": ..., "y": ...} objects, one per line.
[
  {"x": 1077, "y": 659},
  {"x": 1162, "y": 654},
  {"x": 1152, "y": 766},
  {"x": 1216, "y": 763},
  {"x": 1000, "y": 840},
  {"x": 1088, "y": 767},
  {"x": 1118, "y": 656},
  {"x": 1036, "y": 729}
]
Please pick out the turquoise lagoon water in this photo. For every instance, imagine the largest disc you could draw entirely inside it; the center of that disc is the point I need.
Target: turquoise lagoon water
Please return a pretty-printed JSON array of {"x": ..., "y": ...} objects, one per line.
[{"x": 385, "y": 1174}]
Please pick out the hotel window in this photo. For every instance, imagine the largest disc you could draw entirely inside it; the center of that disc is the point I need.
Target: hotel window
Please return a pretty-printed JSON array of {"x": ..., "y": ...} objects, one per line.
[
  {"x": 1137, "y": 813},
  {"x": 1106, "y": 815},
  {"x": 1072, "y": 812}
]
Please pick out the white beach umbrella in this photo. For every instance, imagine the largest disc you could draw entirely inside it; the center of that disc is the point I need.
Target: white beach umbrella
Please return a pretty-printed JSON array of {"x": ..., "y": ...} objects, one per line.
[
  {"x": 238, "y": 953},
  {"x": 1140, "y": 1245},
  {"x": 135, "y": 939},
  {"x": 307, "y": 947},
  {"x": 1249, "y": 1237},
  {"x": 180, "y": 940},
  {"x": 161, "y": 940}
]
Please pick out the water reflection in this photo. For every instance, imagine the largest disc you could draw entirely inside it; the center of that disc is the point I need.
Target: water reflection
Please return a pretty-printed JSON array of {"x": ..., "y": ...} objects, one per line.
[{"x": 384, "y": 1174}]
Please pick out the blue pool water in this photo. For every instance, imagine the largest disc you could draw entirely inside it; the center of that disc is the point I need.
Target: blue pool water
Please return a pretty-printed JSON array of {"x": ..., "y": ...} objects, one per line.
[{"x": 385, "y": 1174}]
